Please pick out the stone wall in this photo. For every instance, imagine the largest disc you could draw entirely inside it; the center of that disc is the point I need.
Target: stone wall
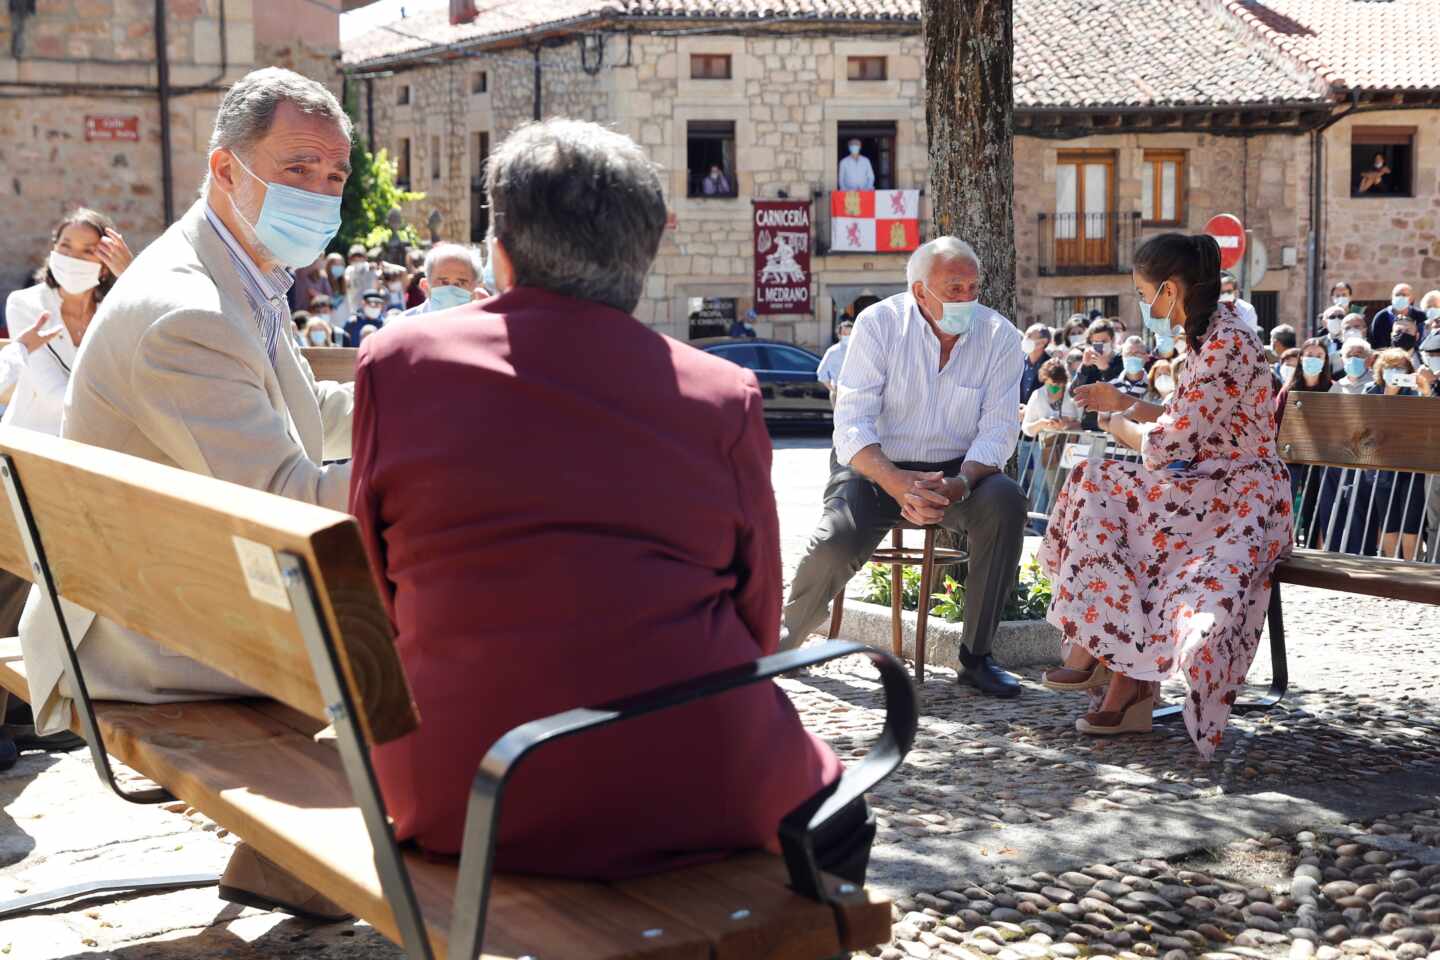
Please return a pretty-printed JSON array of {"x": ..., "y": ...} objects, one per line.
[
  {"x": 1263, "y": 180},
  {"x": 48, "y": 164},
  {"x": 1377, "y": 242}
]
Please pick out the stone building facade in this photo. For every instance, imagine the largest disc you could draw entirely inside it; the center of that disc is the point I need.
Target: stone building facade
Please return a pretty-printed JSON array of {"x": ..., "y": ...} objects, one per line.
[
  {"x": 1201, "y": 109},
  {"x": 787, "y": 99},
  {"x": 96, "y": 59}
]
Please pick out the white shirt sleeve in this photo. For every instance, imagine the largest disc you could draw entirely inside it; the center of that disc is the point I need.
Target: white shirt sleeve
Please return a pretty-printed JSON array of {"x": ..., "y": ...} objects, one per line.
[
  {"x": 860, "y": 393},
  {"x": 1036, "y": 410},
  {"x": 12, "y": 364},
  {"x": 999, "y": 428}
]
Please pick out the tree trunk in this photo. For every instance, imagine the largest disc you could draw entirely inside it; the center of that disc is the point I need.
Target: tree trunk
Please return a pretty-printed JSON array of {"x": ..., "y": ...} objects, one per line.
[{"x": 969, "y": 110}]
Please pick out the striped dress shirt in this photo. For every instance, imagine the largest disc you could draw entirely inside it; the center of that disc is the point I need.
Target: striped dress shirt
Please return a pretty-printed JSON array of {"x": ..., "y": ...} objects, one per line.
[
  {"x": 893, "y": 392},
  {"x": 265, "y": 290}
]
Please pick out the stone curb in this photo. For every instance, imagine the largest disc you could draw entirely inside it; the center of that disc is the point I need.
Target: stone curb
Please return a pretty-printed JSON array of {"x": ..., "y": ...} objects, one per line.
[{"x": 1018, "y": 643}]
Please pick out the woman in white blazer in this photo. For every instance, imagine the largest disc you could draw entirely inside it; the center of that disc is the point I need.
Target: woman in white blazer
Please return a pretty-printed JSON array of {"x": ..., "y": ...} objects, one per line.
[{"x": 87, "y": 254}]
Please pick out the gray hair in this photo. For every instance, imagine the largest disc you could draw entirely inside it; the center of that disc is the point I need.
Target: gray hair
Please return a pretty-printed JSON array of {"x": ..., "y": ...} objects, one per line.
[
  {"x": 248, "y": 110},
  {"x": 941, "y": 248},
  {"x": 580, "y": 210},
  {"x": 1133, "y": 342},
  {"x": 454, "y": 251},
  {"x": 1357, "y": 344}
]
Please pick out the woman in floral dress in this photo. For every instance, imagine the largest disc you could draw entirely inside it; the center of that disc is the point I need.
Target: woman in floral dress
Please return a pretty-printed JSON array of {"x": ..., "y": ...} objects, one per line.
[{"x": 1164, "y": 567}]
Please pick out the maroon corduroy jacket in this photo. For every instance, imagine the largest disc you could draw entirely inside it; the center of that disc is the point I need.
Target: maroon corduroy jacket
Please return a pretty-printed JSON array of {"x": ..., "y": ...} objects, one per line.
[{"x": 564, "y": 507}]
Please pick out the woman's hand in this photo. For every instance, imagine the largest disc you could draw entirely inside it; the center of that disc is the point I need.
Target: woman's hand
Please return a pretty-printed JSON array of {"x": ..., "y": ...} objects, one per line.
[
  {"x": 113, "y": 252},
  {"x": 37, "y": 336},
  {"x": 1425, "y": 381},
  {"x": 1101, "y": 398}
]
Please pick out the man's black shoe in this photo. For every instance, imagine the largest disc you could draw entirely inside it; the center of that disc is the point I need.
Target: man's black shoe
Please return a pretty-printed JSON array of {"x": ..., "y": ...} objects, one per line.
[{"x": 989, "y": 679}]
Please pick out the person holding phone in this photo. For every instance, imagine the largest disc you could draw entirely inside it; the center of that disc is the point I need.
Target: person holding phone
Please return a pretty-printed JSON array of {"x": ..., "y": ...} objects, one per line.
[
  {"x": 87, "y": 254},
  {"x": 1101, "y": 363}
]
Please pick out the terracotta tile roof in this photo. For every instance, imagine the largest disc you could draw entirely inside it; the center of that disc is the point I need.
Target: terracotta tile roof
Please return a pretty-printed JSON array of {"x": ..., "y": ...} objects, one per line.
[
  {"x": 1110, "y": 53},
  {"x": 1364, "y": 45},
  {"x": 1068, "y": 53}
]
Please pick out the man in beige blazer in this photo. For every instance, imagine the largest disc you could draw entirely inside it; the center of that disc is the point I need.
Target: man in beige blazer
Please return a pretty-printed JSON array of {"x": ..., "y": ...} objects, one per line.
[{"x": 190, "y": 363}]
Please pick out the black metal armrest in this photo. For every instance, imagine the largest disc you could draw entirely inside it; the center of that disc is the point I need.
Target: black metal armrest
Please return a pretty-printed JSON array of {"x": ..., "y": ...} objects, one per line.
[{"x": 482, "y": 820}]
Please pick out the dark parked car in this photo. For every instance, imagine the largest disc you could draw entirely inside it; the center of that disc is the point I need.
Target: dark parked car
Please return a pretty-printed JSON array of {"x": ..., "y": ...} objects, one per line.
[{"x": 786, "y": 373}]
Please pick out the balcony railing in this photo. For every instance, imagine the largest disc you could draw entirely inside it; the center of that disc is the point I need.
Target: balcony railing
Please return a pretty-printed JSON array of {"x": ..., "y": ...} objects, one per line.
[{"x": 1087, "y": 244}]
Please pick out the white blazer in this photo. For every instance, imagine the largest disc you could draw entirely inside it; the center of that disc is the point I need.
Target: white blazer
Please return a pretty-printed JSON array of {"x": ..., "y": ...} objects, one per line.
[
  {"x": 173, "y": 369},
  {"x": 39, "y": 397}
]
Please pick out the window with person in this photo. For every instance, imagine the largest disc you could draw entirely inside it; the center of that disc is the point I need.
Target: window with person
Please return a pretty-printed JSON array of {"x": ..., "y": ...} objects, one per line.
[
  {"x": 710, "y": 158},
  {"x": 876, "y": 150},
  {"x": 710, "y": 66},
  {"x": 1382, "y": 162},
  {"x": 868, "y": 69},
  {"x": 1162, "y": 187}
]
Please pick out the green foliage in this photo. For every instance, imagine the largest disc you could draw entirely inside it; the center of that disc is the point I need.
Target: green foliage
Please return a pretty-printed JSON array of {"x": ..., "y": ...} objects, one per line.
[
  {"x": 369, "y": 195},
  {"x": 1030, "y": 599}
]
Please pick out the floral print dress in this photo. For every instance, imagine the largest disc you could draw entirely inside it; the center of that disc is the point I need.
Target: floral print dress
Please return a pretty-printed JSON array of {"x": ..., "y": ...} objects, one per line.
[{"x": 1164, "y": 567}]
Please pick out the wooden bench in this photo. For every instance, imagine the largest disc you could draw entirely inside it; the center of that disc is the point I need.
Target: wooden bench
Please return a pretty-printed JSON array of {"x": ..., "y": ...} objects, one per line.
[
  {"x": 278, "y": 594},
  {"x": 1365, "y": 432},
  {"x": 331, "y": 363}
]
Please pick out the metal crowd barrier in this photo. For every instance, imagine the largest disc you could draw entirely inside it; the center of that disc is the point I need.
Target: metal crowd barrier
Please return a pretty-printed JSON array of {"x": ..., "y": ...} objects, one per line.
[{"x": 1369, "y": 513}]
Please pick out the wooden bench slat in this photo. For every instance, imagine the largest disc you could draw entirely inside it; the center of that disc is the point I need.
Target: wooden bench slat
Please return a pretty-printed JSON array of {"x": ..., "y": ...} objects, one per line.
[
  {"x": 744, "y": 907},
  {"x": 331, "y": 363},
  {"x": 1374, "y": 432},
  {"x": 1368, "y": 576},
  {"x": 149, "y": 554},
  {"x": 213, "y": 754}
]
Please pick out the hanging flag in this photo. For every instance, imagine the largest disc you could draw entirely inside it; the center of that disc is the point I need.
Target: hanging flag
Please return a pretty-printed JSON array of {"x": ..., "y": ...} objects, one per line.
[{"x": 874, "y": 221}]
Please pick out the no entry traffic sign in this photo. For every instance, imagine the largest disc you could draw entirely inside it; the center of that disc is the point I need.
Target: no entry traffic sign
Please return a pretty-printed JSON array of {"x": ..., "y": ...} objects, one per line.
[{"x": 1229, "y": 233}]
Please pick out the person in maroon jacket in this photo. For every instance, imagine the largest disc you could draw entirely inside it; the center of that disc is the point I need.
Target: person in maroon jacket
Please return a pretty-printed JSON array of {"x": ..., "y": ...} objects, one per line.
[{"x": 563, "y": 508}]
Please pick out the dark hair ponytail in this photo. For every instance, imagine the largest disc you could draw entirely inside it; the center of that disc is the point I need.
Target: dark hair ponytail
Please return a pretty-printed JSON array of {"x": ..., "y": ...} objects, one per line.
[{"x": 1194, "y": 263}]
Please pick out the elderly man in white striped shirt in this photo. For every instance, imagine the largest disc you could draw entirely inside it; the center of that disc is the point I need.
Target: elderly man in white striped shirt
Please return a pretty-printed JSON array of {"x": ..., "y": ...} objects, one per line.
[{"x": 925, "y": 420}]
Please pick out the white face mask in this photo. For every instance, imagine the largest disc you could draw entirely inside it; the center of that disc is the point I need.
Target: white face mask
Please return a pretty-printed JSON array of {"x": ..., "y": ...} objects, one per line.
[
  {"x": 1332, "y": 324},
  {"x": 1027, "y": 346},
  {"x": 74, "y": 275},
  {"x": 371, "y": 312},
  {"x": 1227, "y": 298},
  {"x": 1164, "y": 384}
]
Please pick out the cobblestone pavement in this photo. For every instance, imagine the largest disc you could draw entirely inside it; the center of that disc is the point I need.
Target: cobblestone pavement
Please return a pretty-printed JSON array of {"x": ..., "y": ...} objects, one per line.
[{"x": 1314, "y": 835}]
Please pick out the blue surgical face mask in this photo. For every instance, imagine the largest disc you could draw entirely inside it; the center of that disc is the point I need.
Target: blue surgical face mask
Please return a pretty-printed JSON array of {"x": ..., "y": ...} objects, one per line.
[
  {"x": 1355, "y": 367},
  {"x": 1432, "y": 360},
  {"x": 443, "y": 298},
  {"x": 1432, "y": 314},
  {"x": 294, "y": 225},
  {"x": 1312, "y": 365},
  {"x": 854, "y": 149},
  {"x": 1400, "y": 302},
  {"x": 1156, "y": 325},
  {"x": 1134, "y": 365},
  {"x": 337, "y": 270},
  {"x": 956, "y": 319}
]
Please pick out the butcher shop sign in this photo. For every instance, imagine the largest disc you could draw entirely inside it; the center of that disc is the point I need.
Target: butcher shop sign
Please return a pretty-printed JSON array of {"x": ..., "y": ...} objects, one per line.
[{"x": 782, "y": 256}]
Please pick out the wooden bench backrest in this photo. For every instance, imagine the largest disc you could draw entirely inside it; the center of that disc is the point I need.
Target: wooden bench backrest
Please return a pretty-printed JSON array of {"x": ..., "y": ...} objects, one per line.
[
  {"x": 1371, "y": 432},
  {"x": 331, "y": 363},
  {"x": 159, "y": 550}
]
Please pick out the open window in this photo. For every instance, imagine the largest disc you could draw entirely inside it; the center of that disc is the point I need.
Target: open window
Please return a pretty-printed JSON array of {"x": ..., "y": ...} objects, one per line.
[
  {"x": 479, "y": 82},
  {"x": 710, "y": 158},
  {"x": 435, "y": 156},
  {"x": 877, "y": 145},
  {"x": 402, "y": 97},
  {"x": 1382, "y": 162},
  {"x": 710, "y": 66},
  {"x": 1162, "y": 187}
]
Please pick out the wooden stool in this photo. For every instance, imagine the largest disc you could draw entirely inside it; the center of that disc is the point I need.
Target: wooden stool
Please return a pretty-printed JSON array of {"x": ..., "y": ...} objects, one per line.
[{"x": 899, "y": 556}]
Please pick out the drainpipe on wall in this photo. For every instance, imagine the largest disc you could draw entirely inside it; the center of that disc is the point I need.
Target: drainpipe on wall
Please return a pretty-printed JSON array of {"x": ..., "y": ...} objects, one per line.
[
  {"x": 370, "y": 114},
  {"x": 537, "y": 81},
  {"x": 162, "y": 59},
  {"x": 1317, "y": 228}
]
